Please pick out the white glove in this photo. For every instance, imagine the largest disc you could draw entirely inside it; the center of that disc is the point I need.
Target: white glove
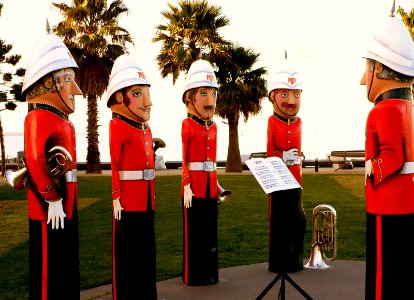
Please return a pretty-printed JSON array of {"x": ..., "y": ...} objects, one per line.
[
  {"x": 188, "y": 196},
  {"x": 56, "y": 214},
  {"x": 291, "y": 157},
  {"x": 117, "y": 209},
  {"x": 368, "y": 170}
]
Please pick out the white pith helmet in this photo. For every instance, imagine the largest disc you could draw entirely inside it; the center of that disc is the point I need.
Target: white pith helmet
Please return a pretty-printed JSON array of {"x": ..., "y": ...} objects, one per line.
[
  {"x": 50, "y": 54},
  {"x": 392, "y": 45},
  {"x": 286, "y": 77},
  {"x": 125, "y": 72},
  {"x": 200, "y": 74}
]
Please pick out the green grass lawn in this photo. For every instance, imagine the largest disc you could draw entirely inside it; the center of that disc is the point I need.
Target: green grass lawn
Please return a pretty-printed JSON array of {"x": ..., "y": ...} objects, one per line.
[{"x": 242, "y": 226}]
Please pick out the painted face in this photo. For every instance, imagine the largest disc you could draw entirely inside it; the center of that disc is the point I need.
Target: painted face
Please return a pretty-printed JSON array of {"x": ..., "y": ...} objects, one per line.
[
  {"x": 68, "y": 90},
  {"x": 139, "y": 102},
  {"x": 368, "y": 80},
  {"x": 204, "y": 103},
  {"x": 286, "y": 102}
]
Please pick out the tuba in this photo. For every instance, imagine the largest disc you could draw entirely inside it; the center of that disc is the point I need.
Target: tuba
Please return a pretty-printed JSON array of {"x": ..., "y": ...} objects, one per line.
[
  {"x": 323, "y": 237},
  {"x": 59, "y": 161}
]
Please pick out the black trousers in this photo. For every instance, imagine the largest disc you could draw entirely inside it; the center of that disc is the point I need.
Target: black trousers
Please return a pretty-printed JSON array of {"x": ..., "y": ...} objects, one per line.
[
  {"x": 389, "y": 239},
  {"x": 54, "y": 260},
  {"x": 287, "y": 223},
  {"x": 134, "y": 256},
  {"x": 200, "y": 255}
]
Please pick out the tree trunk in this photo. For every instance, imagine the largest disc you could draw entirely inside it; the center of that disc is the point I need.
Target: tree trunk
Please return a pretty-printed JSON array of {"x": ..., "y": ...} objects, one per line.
[
  {"x": 3, "y": 151},
  {"x": 234, "y": 163},
  {"x": 93, "y": 160}
]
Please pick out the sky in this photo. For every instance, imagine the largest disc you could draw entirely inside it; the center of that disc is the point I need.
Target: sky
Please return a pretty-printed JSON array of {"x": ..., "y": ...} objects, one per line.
[{"x": 325, "y": 38}]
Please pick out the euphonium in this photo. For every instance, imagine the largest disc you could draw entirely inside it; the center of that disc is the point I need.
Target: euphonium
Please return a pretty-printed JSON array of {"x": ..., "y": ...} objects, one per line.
[
  {"x": 59, "y": 161},
  {"x": 323, "y": 237}
]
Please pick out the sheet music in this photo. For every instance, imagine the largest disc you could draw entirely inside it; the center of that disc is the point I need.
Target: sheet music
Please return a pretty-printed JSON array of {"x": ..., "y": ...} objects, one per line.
[{"x": 272, "y": 174}]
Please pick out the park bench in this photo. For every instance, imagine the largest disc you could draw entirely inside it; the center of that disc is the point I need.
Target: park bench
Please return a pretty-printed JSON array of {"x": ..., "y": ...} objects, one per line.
[
  {"x": 347, "y": 159},
  {"x": 306, "y": 163}
]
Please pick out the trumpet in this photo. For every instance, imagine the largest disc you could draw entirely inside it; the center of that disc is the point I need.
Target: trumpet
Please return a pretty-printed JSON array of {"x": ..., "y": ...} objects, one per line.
[
  {"x": 323, "y": 237},
  {"x": 59, "y": 162},
  {"x": 223, "y": 194}
]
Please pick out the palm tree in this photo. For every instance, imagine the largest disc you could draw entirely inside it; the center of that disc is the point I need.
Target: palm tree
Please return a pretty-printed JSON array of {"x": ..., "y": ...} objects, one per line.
[
  {"x": 91, "y": 31},
  {"x": 408, "y": 19},
  {"x": 240, "y": 94},
  {"x": 191, "y": 31}
]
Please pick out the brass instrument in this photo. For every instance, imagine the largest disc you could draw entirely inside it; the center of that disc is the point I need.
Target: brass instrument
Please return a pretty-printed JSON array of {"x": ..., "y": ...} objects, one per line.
[
  {"x": 59, "y": 162},
  {"x": 323, "y": 237},
  {"x": 16, "y": 179},
  {"x": 223, "y": 194},
  {"x": 158, "y": 143}
]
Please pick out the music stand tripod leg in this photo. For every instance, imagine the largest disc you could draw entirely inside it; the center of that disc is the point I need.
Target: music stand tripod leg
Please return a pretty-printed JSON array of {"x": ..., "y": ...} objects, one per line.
[
  {"x": 282, "y": 287},
  {"x": 270, "y": 285},
  {"x": 297, "y": 287}
]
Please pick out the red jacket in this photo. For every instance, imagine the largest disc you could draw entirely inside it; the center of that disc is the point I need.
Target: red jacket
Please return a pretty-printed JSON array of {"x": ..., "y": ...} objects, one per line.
[
  {"x": 389, "y": 143},
  {"x": 44, "y": 129},
  {"x": 131, "y": 150},
  {"x": 199, "y": 145},
  {"x": 283, "y": 135}
]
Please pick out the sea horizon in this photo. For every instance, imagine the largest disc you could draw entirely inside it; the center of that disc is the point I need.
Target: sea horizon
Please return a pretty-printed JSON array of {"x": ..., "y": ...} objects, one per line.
[{"x": 14, "y": 142}]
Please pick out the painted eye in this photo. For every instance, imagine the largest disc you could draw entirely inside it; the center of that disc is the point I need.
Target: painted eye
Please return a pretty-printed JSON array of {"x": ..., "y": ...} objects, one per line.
[
  {"x": 203, "y": 93},
  {"x": 284, "y": 95}
]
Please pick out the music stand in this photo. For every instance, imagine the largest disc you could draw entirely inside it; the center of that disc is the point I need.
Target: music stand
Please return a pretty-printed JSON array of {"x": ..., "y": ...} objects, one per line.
[{"x": 283, "y": 276}]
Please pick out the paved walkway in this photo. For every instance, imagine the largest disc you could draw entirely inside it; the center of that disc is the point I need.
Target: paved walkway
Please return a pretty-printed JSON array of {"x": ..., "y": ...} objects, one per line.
[{"x": 344, "y": 281}]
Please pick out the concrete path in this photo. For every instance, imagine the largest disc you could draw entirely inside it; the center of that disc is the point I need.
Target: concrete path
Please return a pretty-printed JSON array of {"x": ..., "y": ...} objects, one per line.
[{"x": 344, "y": 281}]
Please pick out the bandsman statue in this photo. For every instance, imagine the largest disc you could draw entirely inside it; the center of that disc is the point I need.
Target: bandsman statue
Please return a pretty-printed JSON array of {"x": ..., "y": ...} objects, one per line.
[
  {"x": 389, "y": 165},
  {"x": 133, "y": 182},
  {"x": 200, "y": 187},
  {"x": 287, "y": 219},
  {"x": 50, "y": 157}
]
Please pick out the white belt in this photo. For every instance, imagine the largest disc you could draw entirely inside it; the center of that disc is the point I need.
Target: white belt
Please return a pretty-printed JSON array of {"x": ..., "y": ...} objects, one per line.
[
  {"x": 147, "y": 174},
  {"x": 71, "y": 176},
  {"x": 207, "y": 166},
  {"x": 408, "y": 168}
]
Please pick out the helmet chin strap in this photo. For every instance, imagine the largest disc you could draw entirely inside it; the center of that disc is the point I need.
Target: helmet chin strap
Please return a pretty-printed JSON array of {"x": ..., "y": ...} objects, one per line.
[
  {"x": 370, "y": 85},
  {"x": 60, "y": 96},
  {"x": 138, "y": 117},
  {"x": 197, "y": 110},
  {"x": 284, "y": 115}
]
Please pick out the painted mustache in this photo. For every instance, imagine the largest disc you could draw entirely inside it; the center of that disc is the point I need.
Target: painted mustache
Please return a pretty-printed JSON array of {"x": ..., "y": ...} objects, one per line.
[
  {"x": 291, "y": 106},
  {"x": 145, "y": 110},
  {"x": 209, "y": 107}
]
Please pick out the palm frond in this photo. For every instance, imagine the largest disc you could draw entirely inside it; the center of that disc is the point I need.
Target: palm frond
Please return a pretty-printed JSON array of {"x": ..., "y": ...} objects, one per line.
[
  {"x": 191, "y": 30},
  {"x": 91, "y": 31}
]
